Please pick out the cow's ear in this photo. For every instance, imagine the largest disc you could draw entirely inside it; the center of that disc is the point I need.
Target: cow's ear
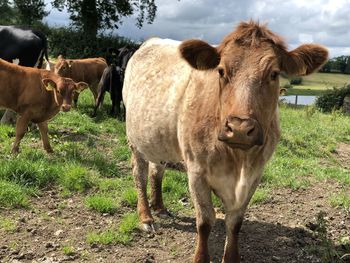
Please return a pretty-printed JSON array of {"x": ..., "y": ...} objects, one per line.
[
  {"x": 304, "y": 60},
  {"x": 80, "y": 86},
  {"x": 49, "y": 84},
  {"x": 199, "y": 54},
  {"x": 60, "y": 57}
]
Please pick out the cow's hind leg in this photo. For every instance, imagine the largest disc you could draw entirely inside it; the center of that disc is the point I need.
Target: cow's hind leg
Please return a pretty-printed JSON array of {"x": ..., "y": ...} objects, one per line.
[
  {"x": 21, "y": 128},
  {"x": 140, "y": 170},
  {"x": 44, "y": 137},
  {"x": 156, "y": 172},
  {"x": 205, "y": 215}
]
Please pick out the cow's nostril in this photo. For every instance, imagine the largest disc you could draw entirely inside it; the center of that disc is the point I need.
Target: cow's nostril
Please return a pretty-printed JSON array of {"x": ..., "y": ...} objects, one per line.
[{"x": 251, "y": 131}]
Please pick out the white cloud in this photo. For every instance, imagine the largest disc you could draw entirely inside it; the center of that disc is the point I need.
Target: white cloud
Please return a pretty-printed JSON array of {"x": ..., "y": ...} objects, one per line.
[{"x": 321, "y": 21}]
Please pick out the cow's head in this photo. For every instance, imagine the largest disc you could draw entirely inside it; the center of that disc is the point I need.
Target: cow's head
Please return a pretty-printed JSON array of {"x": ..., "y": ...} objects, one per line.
[
  {"x": 63, "y": 90},
  {"x": 63, "y": 66},
  {"x": 248, "y": 63}
]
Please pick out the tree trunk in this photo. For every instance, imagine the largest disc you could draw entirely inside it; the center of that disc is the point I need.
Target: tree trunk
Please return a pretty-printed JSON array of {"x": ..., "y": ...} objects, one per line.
[{"x": 89, "y": 18}]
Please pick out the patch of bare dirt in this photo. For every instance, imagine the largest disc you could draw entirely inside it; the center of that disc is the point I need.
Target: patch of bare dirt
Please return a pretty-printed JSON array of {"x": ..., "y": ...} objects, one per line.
[
  {"x": 342, "y": 153},
  {"x": 275, "y": 231}
]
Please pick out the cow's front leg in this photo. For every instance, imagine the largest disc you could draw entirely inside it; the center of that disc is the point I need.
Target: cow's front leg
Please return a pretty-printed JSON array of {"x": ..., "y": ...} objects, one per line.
[
  {"x": 21, "y": 128},
  {"x": 205, "y": 215},
  {"x": 236, "y": 202},
  {"x": 234, "y": 221},
  {"x": 155, "y": 173},
  {"x": 43, "y": 128},
  {"x": 140, "y": 170}
]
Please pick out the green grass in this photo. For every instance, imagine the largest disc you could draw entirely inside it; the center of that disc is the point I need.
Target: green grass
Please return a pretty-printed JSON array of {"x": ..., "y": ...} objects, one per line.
[
  {"x": 317, "y": 83},
  {"x": 341, "y": 200},
  {"x": 122, "y": 235},
  {"x": 306, "y": 142},
  {"x": 92, "y": 160},
  {"x": 76, "y": 179},
  {"x": 261, "y": 195},
  {"x": 7, "y": 225},
  {"x": 68, "y": 250},
  {"x": 12, "y": 195},
  {"x": 102, "y": 204}
]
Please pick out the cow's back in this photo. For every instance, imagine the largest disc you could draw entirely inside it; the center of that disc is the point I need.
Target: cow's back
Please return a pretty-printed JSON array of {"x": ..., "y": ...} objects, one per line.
[
  {"x": 19, "y": 43},
  {"x": 155, "y": 84},
  {"x": 88, "y": 70}
]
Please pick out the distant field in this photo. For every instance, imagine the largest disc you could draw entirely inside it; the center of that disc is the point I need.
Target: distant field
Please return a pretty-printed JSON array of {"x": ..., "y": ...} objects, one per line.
[{"x": 317, "y": 83}]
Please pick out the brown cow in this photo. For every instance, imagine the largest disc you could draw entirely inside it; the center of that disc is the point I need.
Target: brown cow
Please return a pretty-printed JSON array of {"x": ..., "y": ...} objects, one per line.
[
  {"x": 23, "y": 91},
  {"x": 215, "y": 109},
  {"x": 88, "y": 70}
]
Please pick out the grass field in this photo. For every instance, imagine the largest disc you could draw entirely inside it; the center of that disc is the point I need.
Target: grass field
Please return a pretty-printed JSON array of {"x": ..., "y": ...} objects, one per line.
[
  {"x": 92, "y": 161},
  {"x": 317, "y": 83}
]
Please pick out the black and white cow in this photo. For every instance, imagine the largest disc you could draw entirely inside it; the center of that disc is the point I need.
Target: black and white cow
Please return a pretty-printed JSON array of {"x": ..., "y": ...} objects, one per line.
[
  {"x": 28, "y": 47},
  {"x": 25, "y": 47}
]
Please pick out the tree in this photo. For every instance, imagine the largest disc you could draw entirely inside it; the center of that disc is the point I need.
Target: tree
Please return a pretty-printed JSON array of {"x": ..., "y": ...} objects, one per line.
[
  {"x": 30, "y": 11},
  {"x": 6, "y": 13},
  {"x": 92, "y": 15}
]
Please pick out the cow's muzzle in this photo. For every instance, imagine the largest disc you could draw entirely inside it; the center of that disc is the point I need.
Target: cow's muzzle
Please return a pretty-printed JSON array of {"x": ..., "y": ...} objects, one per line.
[
  {"x": 241, "y": 132},
  {"x": 66, "y": 107}
]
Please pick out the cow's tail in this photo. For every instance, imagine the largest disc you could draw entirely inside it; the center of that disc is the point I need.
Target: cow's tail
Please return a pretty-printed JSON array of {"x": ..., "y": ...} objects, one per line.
[{"x": 43, "y": 53}]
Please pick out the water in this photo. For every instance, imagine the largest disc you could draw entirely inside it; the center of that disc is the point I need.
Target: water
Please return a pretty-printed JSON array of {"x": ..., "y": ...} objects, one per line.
[{"x": 302, "y": 100}]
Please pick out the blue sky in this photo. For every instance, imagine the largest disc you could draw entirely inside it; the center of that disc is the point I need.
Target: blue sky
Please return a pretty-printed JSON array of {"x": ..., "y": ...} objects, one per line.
[{"x": 325, "y": 22}]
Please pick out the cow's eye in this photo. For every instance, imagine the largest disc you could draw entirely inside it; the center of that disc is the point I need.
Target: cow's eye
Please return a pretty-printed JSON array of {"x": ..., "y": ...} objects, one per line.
[{"x": 274, "y": 75}]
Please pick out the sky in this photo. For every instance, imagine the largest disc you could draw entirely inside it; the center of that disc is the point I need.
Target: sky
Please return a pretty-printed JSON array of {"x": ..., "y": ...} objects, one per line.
[{"x": 325, "y": 22}]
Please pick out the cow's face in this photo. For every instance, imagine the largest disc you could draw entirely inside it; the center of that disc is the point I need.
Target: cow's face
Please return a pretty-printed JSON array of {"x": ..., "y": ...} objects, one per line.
[
  {"x": 63, "y": 67},
  {"x": 247, "y": 65},
  {"x": 63, "y": 90}
]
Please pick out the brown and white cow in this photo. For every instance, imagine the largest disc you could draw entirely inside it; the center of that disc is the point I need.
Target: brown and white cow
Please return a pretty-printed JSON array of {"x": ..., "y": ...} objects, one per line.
[
  {"x": 37, "y": 95},
  {"x": 88, "y": 70},
  {"x": 215, "y": 108}
]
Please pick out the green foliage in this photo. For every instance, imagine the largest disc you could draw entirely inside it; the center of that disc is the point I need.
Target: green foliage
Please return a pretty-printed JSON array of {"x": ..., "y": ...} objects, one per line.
[
  {"x": 101, "y": 204},
  {"x": 27, "y": 172},
  {"x": 123, "y": 235},
  {"x": 76, "y": 179},
  {"x": 341, "y": 200},
  {"x": 333, "y": 99},
  {"x": 305, "y": 144},
  {"x": 129, "y": 196},
  {"x": 296, "y": 81},
  {"x": 287, "y": 86},
  {"x": 91, "y": 15},
  {"x": 68, "y": 250},
  {"x": 7, "y": 225},
  {"x": 12, "y": 195},
  {"x": 29, "y": 11},
  {"x": 74, "y": 44},
  {"x": 7, "y": 13},
  {"x": 338, "y": 64},
  {"x": 261, "y": 195}
]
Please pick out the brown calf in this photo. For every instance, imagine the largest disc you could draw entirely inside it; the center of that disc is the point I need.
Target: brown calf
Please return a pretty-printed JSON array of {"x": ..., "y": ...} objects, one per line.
[
  {"x": 37, "y": 95},
  {"x": 216, "y": 109},
  {"x": 88, "y": 70}
]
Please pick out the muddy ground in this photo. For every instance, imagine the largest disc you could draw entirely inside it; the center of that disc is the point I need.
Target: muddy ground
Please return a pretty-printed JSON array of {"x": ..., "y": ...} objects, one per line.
[{"x": 279, "y": 230}]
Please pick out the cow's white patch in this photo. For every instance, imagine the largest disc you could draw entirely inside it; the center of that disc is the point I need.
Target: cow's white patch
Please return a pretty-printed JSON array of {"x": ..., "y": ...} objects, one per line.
[
  {"x": 48, "y": 67},
  {"x": 15, "y": 61}
]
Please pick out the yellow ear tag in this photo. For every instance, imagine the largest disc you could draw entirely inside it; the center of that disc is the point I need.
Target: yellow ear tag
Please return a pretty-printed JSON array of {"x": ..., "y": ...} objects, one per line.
[{"x": 49, "y": 87}]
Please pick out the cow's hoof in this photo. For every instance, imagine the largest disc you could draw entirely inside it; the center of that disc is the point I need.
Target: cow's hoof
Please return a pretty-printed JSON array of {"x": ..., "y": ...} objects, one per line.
[{"x": 149, "y": 227}]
